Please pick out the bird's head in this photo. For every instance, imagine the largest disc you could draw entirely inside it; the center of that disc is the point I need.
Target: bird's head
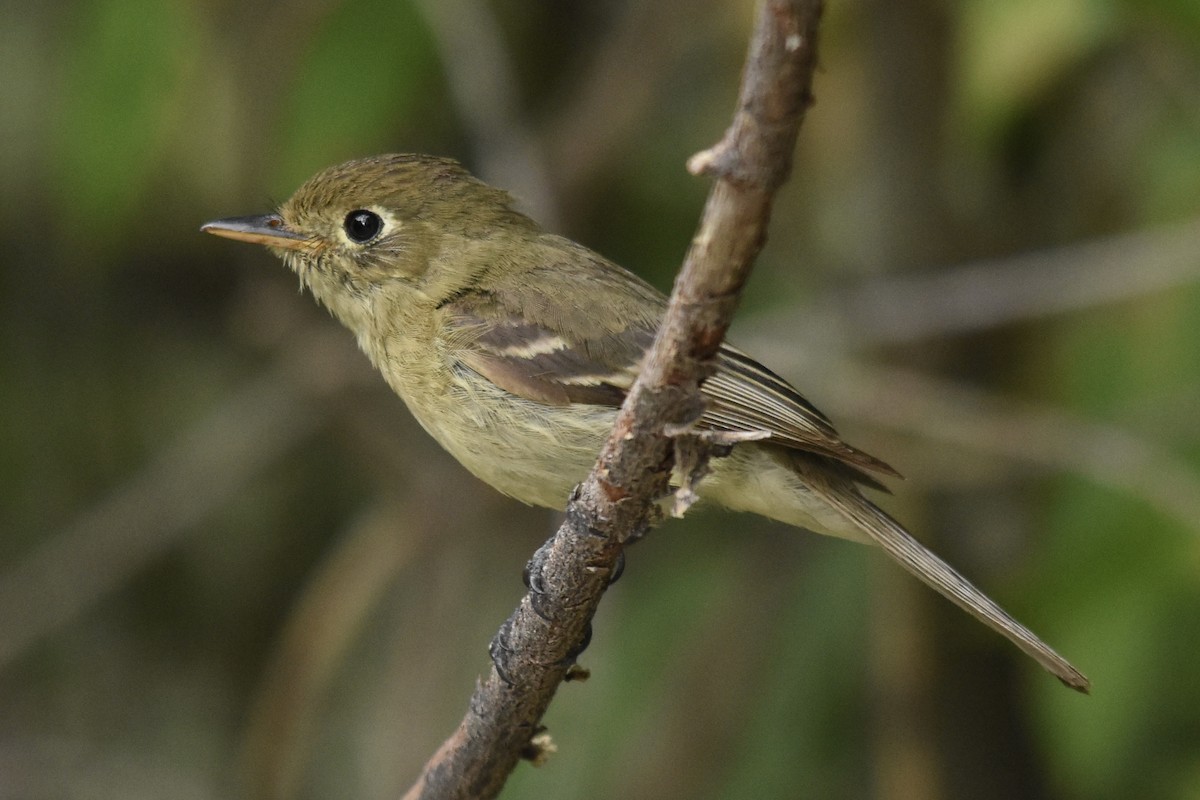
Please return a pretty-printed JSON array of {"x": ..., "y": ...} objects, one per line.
[{"x": 382, "y": 228}]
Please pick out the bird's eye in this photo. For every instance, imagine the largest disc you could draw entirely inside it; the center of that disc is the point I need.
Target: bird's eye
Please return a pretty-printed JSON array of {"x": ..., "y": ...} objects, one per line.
[{"x": 362, "y": 226}]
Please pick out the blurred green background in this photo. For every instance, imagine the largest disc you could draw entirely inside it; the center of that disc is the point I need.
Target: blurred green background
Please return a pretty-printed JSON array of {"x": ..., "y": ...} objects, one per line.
[{"x": 232, "y": 565}]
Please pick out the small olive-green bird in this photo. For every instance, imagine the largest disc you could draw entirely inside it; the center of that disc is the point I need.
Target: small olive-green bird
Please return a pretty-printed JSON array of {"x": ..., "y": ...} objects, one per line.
[{"x": 514, "y": 349}]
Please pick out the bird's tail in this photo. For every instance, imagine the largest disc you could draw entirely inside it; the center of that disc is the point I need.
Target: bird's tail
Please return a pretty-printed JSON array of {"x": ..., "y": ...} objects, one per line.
[{"x": 923, "y": 563}]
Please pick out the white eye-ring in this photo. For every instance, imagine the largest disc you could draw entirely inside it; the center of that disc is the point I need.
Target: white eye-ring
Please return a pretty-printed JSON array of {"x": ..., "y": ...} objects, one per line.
[{"x": 365, "y": 225}]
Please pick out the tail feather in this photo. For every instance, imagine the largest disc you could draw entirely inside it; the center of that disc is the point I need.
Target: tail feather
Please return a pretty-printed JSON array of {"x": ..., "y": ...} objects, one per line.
[{"x": 940, "y": 576}]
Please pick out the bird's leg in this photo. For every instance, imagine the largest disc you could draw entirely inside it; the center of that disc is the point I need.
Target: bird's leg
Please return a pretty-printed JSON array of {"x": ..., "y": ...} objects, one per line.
[{"x": 694, "y": 447}]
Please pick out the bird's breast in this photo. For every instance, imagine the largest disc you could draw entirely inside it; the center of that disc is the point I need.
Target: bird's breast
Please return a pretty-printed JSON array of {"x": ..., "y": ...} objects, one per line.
[{"x": 534, "y": 452}]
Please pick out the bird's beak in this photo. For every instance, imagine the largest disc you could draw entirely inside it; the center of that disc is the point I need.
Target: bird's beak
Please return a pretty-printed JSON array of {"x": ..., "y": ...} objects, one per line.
[{"x": 267, "y": 229}]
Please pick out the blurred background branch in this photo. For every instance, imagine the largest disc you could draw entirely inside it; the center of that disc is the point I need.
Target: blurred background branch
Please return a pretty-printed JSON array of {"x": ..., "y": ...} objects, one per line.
[
  {"x": 483, "y": 86},
  {"x": 148, "y": 514}
]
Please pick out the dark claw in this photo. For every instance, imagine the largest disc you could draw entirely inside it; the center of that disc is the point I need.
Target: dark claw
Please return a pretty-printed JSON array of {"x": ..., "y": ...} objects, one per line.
[
  {"x": 578, "y": 649},
  {"x": 618, "y": 568},
  {"x": 587, "y": 639},
  {"x": 533, "y": 578},
  {"x": 534, "y": 569},
  {"x": 499, "y": 651}
]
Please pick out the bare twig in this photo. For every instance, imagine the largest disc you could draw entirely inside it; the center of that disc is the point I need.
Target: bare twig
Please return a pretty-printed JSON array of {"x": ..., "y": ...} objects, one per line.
[{"x": 568, "y": 575}]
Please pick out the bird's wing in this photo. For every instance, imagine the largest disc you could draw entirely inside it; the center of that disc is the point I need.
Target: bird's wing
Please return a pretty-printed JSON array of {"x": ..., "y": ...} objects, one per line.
[
  {"x": 530, "y": 360},
  {"x": 526, "y": 352},
  {"x": 743, "y": 395}
]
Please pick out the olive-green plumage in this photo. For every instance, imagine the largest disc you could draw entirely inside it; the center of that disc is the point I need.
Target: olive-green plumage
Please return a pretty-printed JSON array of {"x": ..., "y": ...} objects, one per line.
[{"x": 514, "y": 348}]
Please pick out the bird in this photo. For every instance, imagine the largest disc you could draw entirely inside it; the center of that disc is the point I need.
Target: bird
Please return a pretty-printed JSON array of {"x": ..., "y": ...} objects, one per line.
[{"x": 514, "y": 348}]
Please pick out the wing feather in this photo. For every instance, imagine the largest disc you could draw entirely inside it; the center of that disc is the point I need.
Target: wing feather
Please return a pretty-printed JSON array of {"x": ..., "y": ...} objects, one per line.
[{"x": 533, "y": 361}]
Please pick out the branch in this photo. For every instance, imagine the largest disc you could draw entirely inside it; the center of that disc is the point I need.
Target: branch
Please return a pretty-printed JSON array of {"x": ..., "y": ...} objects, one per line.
[{"x": 536, "y": 647}]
